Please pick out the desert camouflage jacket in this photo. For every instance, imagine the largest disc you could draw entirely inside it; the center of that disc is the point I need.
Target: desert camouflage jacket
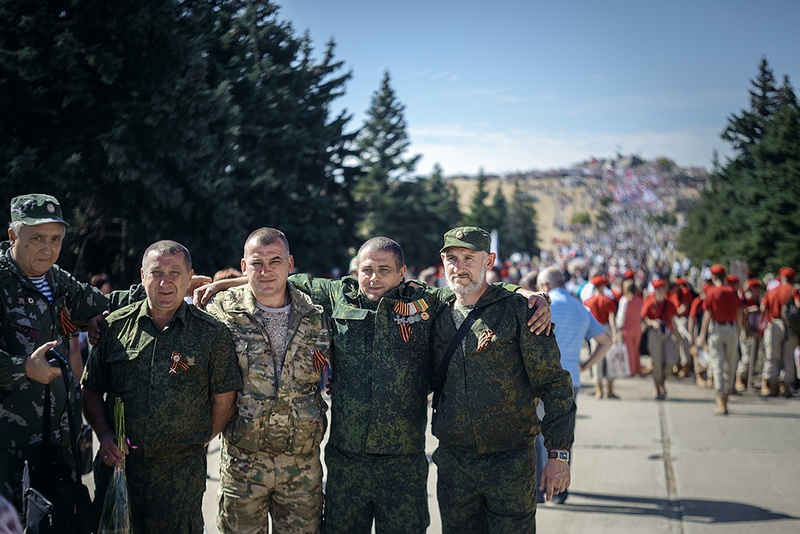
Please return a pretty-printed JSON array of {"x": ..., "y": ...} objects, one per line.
[{"x": 286, "y": 415}]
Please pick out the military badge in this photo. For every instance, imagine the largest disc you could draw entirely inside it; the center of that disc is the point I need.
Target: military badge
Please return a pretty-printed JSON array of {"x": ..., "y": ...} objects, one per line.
[
  {"x": 484, "y": 339},
  {"x": 177, "y": 362},
  {"x": 408, "y": 313},
  {"x": 319, "y": 360}
]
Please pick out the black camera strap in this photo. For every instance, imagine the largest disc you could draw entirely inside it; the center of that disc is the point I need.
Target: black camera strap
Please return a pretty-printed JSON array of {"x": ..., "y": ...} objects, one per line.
[{"x": 73, "y": 429}]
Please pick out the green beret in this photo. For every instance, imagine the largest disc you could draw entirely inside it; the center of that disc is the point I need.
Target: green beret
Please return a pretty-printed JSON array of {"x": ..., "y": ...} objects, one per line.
[{"x": 470, "y": 237}]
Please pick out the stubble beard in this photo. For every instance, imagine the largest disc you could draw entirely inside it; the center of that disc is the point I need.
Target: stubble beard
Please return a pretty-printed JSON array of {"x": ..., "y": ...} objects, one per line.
[{"x": 466, "y": 290}]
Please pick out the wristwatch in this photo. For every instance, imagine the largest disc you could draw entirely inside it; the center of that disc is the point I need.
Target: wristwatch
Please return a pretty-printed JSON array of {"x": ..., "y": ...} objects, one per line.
[{"x": 558, "y": 454}]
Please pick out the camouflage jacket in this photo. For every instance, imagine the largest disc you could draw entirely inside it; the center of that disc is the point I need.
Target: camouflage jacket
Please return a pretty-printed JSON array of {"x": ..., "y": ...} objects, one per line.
[
  {"x": 277, "y": 416},
  {"x": 165, "y": 378},
  {"x": 379, "y": 380},
  {"x": 28, "y": 321},
  {"x": 488, "y": 402}
]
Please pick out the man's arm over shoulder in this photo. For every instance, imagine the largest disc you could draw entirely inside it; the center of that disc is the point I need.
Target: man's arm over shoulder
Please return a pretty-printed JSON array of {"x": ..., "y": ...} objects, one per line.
[{"x": 323, "y": 291}]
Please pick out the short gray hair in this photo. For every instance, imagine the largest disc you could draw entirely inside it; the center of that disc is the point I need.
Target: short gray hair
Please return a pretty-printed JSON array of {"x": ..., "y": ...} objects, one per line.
[
  {"x": 16, "y": 226},
  {"x": 552, "y": 276}
]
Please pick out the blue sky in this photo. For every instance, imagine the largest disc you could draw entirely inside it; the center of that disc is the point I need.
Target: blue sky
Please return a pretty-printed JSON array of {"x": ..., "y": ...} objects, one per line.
[{"x": 521, "y": 85}]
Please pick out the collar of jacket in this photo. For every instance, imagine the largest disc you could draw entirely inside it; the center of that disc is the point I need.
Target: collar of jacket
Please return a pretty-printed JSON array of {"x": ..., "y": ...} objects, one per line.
[{"x": 245, "y": 301}]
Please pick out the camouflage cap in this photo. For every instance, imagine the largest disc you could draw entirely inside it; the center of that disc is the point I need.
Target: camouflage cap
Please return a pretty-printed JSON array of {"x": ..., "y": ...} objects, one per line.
[
  {"x": 36, "y": 208},
  {"x": 470, "y": 237}
]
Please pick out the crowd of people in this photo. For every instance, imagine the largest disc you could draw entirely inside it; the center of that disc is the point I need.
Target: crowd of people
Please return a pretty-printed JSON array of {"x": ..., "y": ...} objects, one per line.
[{"x": 243, "y": 355}]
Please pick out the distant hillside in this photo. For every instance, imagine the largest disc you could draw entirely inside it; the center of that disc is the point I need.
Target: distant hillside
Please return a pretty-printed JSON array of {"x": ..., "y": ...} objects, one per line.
[{"x": 560, "y": 194}]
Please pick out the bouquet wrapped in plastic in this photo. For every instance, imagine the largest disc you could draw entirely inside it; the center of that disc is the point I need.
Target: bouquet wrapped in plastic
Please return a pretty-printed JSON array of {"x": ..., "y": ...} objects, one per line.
[{"x": 116, "y": 516}]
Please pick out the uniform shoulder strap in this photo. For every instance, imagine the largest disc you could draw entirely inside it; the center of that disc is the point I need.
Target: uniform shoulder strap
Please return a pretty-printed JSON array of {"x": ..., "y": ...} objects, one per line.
[{"x": 441, "y": 374}]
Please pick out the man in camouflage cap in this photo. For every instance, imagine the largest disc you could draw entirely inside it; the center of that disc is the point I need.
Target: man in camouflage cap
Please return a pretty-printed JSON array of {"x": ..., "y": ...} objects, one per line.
[
  {"x": 270, "y": 463},
  {"x": 41, "y": 306},
  {"x": 377, "y": 470},
  {"x": 486, "y": 418}
]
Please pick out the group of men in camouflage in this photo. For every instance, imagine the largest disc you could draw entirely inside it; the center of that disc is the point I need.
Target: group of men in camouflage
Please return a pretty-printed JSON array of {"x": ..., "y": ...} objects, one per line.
[{"x": 250, "y": 368}]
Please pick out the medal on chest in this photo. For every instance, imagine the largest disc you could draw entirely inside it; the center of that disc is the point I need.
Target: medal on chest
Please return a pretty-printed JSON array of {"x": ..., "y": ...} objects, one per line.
[
  {"x": 177, "y": 362},
  {"x": 408, "y": 313}
]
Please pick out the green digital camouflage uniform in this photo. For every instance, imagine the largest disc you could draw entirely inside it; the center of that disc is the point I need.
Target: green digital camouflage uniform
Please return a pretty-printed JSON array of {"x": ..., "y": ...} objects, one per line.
[
  {"x": 486, "y": 418},
  {"x": 27, "y": 321},
  {"x": 166, "y": 380},
  {"x": 375, "y": 455},
  {"x": 270, "y": 460}
]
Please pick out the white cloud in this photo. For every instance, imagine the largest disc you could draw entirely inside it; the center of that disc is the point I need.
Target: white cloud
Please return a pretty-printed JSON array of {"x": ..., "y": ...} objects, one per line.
[{"x": 459, "y": 149}]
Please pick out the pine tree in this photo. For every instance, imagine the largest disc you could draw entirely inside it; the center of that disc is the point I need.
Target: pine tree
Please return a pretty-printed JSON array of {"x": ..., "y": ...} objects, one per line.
[
  {"x": 106, "y": 105},
  {"x": 290, "y": 155},
  {"x": 750, "y": 211},
  {"x": 191, "y": 120},
  {"x": 479, "y": 213},
  {"x": 383, "y": 141},
  {"x": 389, "y": 197},
  {"x": 520, "y": 233}
]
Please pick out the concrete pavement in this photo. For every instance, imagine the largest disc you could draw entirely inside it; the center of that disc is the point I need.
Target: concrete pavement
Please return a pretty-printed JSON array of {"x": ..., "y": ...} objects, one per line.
[{"x": 642, "y": 466}]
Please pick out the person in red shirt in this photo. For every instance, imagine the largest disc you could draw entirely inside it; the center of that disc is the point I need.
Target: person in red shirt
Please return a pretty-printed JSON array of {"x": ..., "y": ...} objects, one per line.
[
  {"x": 681, "y": 296},
  {"x": 749, "y": 336},
  {"x": 695, "y": 321},
  {"x": 658, "y": 314},
  {"x": 721, "y": 320},
  {"x": 603, "y": 309},
  {"x": 779, "y": 344},
  {"x": 629, "y": 323}
]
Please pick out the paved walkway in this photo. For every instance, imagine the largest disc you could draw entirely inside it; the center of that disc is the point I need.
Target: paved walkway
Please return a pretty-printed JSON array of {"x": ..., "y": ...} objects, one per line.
[{"x": 642, "y": 466}]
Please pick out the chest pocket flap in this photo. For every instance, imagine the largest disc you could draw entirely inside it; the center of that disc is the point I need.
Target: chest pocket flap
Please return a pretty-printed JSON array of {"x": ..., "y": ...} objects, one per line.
[{"x": 350, "y": 313}]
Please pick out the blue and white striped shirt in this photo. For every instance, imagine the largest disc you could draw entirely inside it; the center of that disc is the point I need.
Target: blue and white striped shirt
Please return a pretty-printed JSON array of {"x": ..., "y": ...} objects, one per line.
[{"x": 43, "y": 286}]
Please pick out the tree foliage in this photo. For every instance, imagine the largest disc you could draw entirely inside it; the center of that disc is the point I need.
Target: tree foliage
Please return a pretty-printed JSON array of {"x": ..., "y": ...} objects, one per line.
[
  {"x": 195, "y": 121},
  {"x": 521, "y": 232},
  {"x": 480, "y": 213},
  {"x": 414, "y": 211},
  {"x": 751, "y": 210}
]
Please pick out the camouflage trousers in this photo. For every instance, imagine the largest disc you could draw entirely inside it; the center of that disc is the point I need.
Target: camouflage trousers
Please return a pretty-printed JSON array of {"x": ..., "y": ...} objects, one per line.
[
  {"x": 391, "y": 489},
  {"x": 255, "y": 485},
  {"x": 481, "y": 493},
  {"x": 166, "y": 493}
]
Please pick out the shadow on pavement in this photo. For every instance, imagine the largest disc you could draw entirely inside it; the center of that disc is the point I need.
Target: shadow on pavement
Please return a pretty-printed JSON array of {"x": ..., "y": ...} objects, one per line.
[{"x": 693, "y": 510}]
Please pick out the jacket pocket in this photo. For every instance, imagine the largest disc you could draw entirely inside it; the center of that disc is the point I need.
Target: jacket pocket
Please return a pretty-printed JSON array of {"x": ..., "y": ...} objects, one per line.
[
  {"x": 246, "y": 429},
  {"x": 308, "y": 428},
  {"x": 121, "y": 364}
]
